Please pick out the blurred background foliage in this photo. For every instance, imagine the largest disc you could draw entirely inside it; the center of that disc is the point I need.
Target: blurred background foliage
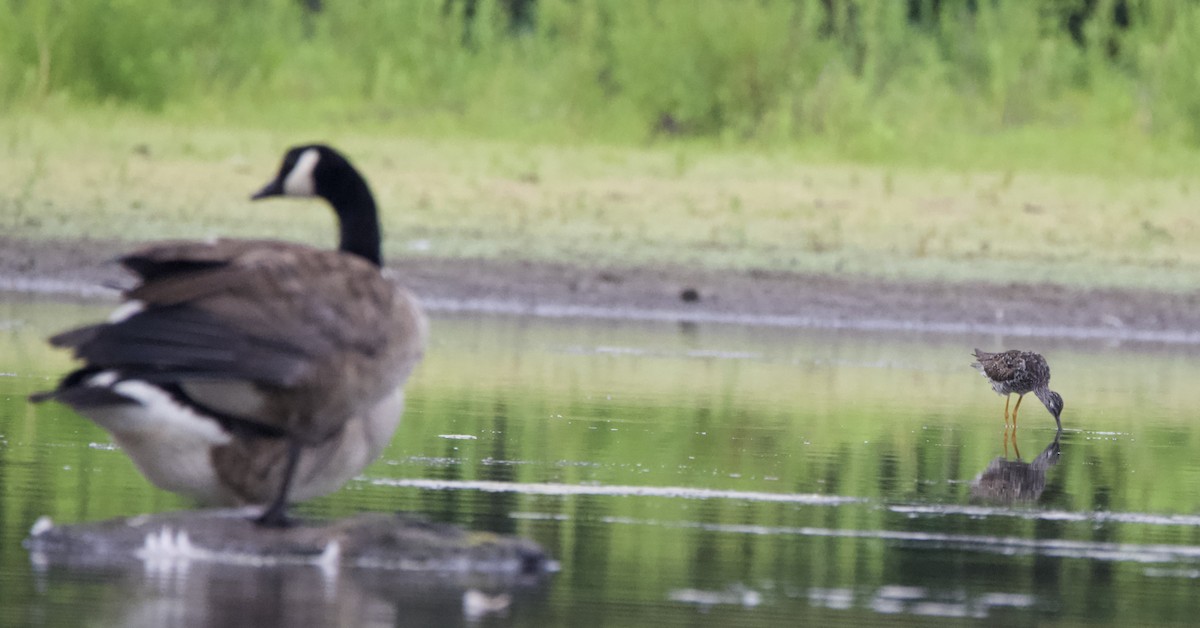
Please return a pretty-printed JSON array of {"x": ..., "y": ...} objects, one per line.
[{"x": 868, "y": 80}]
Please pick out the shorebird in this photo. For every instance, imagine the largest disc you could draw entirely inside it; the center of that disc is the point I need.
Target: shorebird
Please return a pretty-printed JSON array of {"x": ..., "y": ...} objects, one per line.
[
  {"x": 255, "y": 372},
  {"x": 1019, "y": 372}
]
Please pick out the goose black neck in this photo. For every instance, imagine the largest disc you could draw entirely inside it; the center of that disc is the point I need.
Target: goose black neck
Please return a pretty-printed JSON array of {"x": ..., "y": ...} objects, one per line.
[{"x": 357, "y": 216}]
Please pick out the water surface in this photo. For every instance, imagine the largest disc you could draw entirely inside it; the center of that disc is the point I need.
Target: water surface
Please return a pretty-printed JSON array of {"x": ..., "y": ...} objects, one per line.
[{"x": 685, "y": 475}]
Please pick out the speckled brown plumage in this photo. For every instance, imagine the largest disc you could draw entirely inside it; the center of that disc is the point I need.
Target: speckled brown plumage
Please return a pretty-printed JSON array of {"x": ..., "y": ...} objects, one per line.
[{"x": 1019, "y": 372}]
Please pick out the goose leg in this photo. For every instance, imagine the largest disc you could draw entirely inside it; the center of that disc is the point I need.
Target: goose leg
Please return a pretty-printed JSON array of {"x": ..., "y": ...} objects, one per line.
[
  {"x": 275, "y": 516},
  {"x": 1016, "y": 409}
]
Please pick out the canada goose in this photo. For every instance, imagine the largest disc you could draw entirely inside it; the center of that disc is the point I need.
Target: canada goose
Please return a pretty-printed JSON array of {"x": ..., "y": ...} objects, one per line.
[
  {"x": 1019, "y": 372},
  {"x": 255, "y": 371}
]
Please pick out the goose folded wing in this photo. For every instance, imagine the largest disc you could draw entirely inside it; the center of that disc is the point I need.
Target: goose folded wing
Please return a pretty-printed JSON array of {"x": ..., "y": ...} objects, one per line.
[
  {"x": 265, "y": 312},
  {"x": 262, "y": 333},
  {"x": 184, "y": 341}
]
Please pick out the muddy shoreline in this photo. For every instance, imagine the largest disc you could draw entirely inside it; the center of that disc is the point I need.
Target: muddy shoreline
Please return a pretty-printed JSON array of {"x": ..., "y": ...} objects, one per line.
[{"x": 82, "y": 269}]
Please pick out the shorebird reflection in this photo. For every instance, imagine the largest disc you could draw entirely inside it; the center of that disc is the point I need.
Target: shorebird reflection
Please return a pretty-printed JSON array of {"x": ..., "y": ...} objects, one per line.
[{"x": 1006, "y": 481}]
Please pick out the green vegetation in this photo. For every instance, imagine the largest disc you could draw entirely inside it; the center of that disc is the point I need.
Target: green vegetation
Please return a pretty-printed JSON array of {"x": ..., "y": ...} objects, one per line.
[
  {"x": 919, "y": 81},
  {"x": 998, "y": 141}
]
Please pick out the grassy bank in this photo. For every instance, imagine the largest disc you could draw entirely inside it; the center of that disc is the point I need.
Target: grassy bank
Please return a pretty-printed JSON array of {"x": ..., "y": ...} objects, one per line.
[
  {"x": 965, "y": 141},
  {"x": 112, "y": 174}
]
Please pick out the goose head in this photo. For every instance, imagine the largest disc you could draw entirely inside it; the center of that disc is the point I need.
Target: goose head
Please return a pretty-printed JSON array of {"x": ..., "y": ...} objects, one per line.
[
  {"x": 309, "y": 170},
  {"x": 318, "y": 170}
]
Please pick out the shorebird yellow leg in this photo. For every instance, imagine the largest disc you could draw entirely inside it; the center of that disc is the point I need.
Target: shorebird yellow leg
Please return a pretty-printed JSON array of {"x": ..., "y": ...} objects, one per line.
[
  {"x": 1016, "y": 409},
  {"x": 1007, "y": 398}
]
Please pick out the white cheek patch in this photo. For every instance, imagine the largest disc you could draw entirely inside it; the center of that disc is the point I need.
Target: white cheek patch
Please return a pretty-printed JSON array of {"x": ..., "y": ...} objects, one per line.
[{"x": 299, "y": 182}]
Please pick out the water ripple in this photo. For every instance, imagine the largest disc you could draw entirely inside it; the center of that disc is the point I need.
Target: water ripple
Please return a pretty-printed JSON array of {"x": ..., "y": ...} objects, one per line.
[
  {"x": 682, "y": 492},
  {"x": 1050, "y": 515},
  {"x": 1004, "y": 545}
]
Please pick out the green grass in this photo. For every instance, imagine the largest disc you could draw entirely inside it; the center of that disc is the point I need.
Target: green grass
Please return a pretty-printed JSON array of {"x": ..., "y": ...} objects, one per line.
[{"x": 110, "y": 173}]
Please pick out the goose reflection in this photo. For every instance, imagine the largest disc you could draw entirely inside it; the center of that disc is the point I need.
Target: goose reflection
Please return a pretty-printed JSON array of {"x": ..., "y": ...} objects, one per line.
[{"x": 1006, "y": 481}]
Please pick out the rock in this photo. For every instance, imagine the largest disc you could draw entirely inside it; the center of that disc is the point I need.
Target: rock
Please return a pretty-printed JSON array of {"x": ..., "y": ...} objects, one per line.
[
  {"x": 217, "y": 569},
  {"x": 376, "y": 541}
]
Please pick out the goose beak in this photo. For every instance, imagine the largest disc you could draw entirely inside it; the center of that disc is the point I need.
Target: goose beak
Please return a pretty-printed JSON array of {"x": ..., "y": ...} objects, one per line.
[{"x": 274, "y": 188}]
